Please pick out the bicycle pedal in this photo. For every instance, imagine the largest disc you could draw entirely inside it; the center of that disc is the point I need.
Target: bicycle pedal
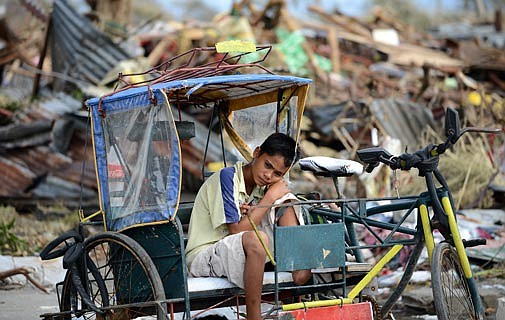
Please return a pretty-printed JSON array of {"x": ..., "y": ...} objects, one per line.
[{"x": 474, "y": 242}]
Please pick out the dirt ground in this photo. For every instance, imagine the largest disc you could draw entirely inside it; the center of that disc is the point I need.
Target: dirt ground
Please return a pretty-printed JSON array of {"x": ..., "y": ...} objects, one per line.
[
  {"x": 26, "y": 303},
  {"x": 29, "y": 303}
]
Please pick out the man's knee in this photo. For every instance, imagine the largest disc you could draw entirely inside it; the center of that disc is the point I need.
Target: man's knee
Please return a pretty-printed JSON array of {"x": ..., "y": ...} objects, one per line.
[
  {"x": 252, "y": 244},
  {"x": 300, "y": 277},
  {"x": 288, "y": 217}
]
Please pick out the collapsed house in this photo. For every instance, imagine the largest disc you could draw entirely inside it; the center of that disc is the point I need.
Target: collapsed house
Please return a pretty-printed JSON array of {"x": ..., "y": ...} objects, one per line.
[{"x": 374, "y": 81}]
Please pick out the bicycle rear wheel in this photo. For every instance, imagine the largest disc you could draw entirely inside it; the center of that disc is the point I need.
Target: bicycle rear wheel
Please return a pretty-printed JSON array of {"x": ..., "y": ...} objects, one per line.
[
  {"x": 121, "y": 280},
  {"x": 451, "y": 292}
]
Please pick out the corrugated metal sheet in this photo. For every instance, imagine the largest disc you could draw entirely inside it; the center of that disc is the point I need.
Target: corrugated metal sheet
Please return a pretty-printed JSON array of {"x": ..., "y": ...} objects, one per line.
[
  {"x": 40, "y": 160},
  {"x": 16, "y": 178},
  {"x": 78, "y": 48},
  {"x": 33, "y": 171},
  {"x": 465, "y": 31},
  {"x": 323, "y": 117},
  {"x": 402, "y": 119}
]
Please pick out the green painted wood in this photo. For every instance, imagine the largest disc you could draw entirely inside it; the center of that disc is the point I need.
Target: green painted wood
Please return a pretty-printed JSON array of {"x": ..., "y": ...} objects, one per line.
[
  {"x": 162, "y": 243},
  {"x": 310, "y": 247}
]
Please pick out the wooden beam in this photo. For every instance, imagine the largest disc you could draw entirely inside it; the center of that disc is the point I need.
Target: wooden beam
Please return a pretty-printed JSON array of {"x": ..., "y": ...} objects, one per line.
[
  {"x": 42, "y": 57},
  {"x": 24, "y": 272},
  {"x": 335, "y": 51},
  {"x": 344, "y": 22}
]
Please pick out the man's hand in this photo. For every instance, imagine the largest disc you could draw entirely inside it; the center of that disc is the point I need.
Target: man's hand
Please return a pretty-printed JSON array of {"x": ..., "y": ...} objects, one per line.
[
  {"x": 277, "y": 190},
  {"x": 244, "y": 208}
]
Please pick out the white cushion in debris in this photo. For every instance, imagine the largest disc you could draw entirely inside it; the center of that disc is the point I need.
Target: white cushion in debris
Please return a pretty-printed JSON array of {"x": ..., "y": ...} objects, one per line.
[{"x": 211, "y": 283}]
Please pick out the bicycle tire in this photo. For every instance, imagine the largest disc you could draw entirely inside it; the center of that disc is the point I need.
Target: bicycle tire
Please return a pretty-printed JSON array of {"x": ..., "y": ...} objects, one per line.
[
  {"x": 73, "y": 287},
  {"x": 451, "y": 292},
  {"x": 57, "y": 247},
  {"x": 120, "y": 270}
]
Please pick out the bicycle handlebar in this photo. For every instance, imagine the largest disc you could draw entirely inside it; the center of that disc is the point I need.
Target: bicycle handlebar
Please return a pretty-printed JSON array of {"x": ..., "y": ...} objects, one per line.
[{"x": 425, "y": 160}]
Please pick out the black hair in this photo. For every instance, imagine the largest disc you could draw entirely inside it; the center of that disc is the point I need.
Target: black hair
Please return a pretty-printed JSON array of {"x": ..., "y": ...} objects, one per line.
[{"x": 282, "y": 145}]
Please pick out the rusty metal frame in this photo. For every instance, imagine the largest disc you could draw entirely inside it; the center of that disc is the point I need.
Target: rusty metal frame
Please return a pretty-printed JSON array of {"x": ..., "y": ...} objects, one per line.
[{"x": 185, "y": 66}]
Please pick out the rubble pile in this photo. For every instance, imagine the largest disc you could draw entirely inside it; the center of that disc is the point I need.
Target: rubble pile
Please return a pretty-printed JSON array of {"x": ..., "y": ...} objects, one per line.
[{"x": 376, "y": 82}]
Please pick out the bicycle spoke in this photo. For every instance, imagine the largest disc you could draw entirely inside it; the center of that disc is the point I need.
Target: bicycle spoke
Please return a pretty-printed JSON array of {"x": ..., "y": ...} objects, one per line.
[
  {"x": 450, "y": 287},
  {"x": 117, "y": 277},
  {"x": 455, "y": 291}
]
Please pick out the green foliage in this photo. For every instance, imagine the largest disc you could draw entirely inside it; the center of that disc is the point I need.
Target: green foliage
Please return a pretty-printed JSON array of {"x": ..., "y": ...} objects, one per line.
[
  {"x": 8, "y": 103},
  {"x": 9, "y": 241},
  {"x": 78, "y": 95}
]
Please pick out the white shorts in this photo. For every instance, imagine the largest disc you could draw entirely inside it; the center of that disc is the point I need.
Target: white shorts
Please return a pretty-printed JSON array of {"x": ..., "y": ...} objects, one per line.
[{"x": 225, "y": 258}]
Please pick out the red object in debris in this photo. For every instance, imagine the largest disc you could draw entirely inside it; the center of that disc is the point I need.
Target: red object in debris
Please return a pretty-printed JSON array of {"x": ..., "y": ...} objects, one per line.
[
  {"x": 355, "y": 311},
  {"x": 115, "y": 171}
]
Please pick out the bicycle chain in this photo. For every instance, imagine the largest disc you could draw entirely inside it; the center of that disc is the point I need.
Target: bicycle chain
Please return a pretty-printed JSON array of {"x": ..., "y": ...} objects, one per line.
[{"x": 375, "y": 306}]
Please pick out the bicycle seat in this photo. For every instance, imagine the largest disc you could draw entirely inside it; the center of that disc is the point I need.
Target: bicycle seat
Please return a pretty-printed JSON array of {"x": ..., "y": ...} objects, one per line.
[{"x": 330, "y": 167}]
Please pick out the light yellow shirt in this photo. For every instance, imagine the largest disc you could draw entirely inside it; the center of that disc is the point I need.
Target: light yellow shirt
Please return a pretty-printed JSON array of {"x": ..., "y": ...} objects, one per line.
[{"x": 216, "y": 204}]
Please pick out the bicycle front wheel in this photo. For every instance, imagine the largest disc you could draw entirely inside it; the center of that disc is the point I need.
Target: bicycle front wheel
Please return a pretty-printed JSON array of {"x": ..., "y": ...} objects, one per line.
[
  {"x": 451, "y": 292},
  {"x": 120, "y": 279}
]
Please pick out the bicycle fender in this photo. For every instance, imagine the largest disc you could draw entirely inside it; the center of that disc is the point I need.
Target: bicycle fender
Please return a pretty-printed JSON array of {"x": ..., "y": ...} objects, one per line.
[
  {"x": 52, "y": 251},
  {"x": 72, "y": 254}
]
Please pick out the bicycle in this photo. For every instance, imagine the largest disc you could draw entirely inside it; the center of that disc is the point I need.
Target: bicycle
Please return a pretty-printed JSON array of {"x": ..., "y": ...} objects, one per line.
[{"x": 454, "y": 288}]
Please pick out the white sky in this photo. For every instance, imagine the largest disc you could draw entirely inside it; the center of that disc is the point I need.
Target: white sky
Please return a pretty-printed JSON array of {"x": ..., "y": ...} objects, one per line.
[{"x": 349, "y": 7}]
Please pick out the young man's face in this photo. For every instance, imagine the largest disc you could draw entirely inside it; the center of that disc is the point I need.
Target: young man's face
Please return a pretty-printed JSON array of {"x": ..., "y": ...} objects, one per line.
[{"x": 267, "y": 169}]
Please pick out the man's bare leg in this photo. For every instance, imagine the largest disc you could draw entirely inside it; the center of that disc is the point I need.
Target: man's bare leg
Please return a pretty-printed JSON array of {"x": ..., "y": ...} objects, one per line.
[
  {"x": 289, "y": 219},
  {"x": 255, "y": 257}
]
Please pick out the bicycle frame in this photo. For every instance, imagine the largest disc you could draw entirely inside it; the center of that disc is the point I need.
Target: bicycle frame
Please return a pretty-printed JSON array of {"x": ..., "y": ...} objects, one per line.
[
  {"x": 460, "y": 249},
  {"x": 454, "y": 288},
  {"x": 354, "y": 212}
]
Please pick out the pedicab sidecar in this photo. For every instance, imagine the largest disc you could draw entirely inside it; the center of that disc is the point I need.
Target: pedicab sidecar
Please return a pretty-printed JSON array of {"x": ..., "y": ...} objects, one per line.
[{"x": 136, "y": 265}]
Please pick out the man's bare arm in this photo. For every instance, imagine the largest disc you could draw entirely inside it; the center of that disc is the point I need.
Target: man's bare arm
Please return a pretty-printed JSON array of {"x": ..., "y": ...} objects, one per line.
[{"x": 274, "y": 192}]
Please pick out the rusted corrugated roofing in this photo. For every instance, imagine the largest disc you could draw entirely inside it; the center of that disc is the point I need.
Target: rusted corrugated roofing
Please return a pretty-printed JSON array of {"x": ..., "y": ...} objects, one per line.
[
  {"x": 79, "y": 49},
  {"x": 16, "y": 178},
  {"x": 35, "y": 169},
  {"x": 402, "y": 119},
  {"x": 40, "y": 159}
]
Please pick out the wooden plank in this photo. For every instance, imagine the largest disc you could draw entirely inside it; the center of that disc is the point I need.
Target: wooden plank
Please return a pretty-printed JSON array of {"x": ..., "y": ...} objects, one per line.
[
  {"x": 335, "y": 50},
  {"x": 346, "y": 23}
]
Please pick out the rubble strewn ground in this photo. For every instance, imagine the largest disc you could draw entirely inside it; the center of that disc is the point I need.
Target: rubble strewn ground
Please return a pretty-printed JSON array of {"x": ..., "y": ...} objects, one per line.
[{"x": 377, "y": 81}]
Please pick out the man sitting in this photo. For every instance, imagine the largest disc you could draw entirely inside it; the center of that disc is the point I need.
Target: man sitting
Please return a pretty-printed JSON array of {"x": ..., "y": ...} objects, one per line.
[{"x": 222, "y": 242}]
